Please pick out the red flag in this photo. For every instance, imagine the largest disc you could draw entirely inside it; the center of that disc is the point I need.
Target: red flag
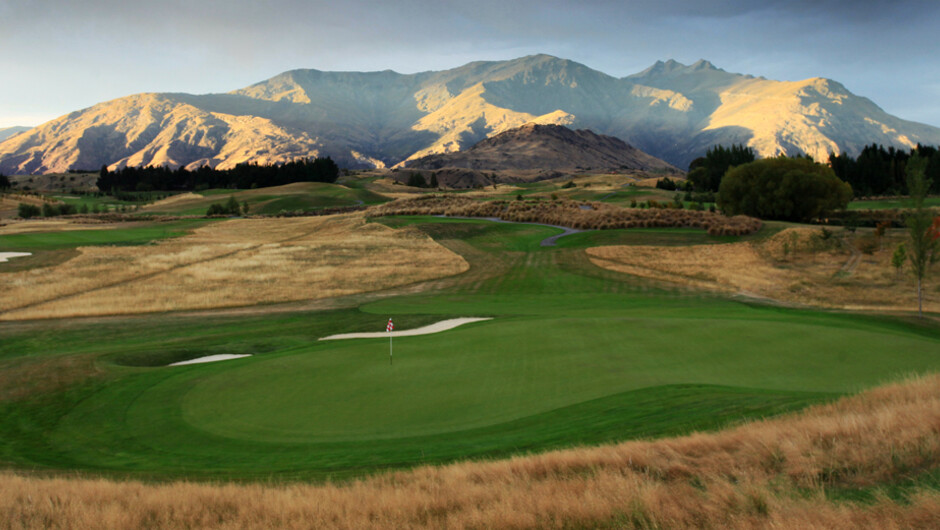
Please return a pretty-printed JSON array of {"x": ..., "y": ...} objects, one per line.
[{"x": 390, "y": 326}]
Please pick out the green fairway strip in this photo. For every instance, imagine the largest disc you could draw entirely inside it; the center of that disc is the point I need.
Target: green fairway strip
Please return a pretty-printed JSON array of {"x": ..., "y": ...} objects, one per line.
[{"x": 80, "y": 238}]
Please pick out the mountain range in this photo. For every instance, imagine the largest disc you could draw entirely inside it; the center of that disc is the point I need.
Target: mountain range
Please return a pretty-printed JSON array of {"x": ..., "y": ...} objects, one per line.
[{"x": 382, "y": 119}]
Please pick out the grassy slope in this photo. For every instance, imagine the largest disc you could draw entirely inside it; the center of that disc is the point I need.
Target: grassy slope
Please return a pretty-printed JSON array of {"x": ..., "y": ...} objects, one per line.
[
  {"x": 138, "y": 235},
  {"x": 575, "y": 355},
  {"x": 303, "y": 196}
]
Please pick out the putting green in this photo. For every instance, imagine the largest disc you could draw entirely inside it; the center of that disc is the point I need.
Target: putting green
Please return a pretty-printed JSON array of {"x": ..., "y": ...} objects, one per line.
[{"x": 485, "y": 375}]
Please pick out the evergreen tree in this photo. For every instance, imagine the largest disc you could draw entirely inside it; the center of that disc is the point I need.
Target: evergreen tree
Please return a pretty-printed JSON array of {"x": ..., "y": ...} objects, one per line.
[{"x": 705, "y": 173}]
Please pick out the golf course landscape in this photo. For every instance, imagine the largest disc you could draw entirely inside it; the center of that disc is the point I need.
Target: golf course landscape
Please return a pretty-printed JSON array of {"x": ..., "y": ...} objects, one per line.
[
  {"x": 180, "y": 353},
  {"x": 573, "y": 355}
]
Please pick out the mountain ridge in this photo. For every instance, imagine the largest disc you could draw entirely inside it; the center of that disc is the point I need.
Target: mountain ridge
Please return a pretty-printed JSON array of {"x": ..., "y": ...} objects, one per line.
[{"x": 375, "y": 119}]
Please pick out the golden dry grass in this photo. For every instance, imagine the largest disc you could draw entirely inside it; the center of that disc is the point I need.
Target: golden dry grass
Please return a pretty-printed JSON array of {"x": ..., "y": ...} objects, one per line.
[
  {"x": 574, "y": 214},
  {"x": 768, "y": 474},
  {"x": 18, "y": 226},
  {"x": 233, "y": 263},
  {"x": 793, "y": 266}
]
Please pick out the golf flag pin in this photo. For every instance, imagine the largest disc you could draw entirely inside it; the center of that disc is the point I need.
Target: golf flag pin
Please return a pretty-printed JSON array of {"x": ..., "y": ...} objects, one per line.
[{"x": 389, "y": 327}]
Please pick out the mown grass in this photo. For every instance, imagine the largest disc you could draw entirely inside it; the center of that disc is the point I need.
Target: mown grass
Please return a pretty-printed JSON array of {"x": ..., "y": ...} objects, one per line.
[
  {"x": 137, "y": 235},
  {"x": 769, "y": 474},
  {"x": 574, "y": 356},
  {"x": 890, "y": 204}
]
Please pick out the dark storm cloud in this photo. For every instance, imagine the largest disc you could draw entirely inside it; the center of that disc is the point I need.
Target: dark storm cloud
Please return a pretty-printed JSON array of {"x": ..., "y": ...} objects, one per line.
[{"x": 100, "y": 49}]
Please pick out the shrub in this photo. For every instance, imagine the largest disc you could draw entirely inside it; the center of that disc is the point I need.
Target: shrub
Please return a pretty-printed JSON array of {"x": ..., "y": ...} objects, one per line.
[
  {"x": 788, "y": 189},
  {"x": 416, "y": 180},
  {"x": 27, "y": 211}
]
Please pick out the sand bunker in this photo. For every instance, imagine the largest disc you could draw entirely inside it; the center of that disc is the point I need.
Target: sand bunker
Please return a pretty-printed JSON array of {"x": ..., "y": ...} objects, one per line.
[
  {"x": 7, "y": 256},
  {"x": 212, "y": 358},
  {"x": 437, "y": 327}
]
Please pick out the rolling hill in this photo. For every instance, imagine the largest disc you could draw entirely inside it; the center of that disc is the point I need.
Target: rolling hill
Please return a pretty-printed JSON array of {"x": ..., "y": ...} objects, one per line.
[
  {"x": 553, "y": 147},
  {"x": 377, "y": 119}
]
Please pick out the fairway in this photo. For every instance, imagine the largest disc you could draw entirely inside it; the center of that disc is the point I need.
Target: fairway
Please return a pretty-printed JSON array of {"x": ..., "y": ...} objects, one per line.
[{"x": 574, "y": 355}]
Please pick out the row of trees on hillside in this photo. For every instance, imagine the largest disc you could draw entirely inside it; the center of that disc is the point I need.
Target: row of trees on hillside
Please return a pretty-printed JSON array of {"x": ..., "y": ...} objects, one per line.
[
  {"x": 242, "y": 176},
  {"x": 879, "y": 171}
]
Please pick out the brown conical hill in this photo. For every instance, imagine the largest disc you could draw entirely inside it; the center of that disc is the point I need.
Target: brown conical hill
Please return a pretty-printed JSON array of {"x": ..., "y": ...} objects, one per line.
[{"x": 547, "y": 147}]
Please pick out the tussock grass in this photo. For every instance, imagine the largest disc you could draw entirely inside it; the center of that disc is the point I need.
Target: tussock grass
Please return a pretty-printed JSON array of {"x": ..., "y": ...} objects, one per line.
[
  {"x": 234, "y": 263},
  {"x": 793, "y": 266},
  {"x": 773, "y": 473},
  {"x": 574, "y": 214}
]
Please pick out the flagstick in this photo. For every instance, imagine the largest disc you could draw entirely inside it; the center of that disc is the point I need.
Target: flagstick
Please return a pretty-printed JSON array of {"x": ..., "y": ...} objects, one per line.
[{"x": 389, "y": 347}]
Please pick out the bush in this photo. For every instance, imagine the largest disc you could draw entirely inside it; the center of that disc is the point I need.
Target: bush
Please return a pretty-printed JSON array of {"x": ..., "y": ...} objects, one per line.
[
  {"x": 788, "y": 189},
  {"x": 27, "y": 211},
  {"x": 231, "y": 207},
  {"x": 666, "y": 183},
  {"x": 417, "y": 180}
]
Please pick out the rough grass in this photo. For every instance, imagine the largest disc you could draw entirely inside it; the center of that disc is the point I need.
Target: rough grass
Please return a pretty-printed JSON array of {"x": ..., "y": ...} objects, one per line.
[
  {"x": 848, "y": 271},
  {"x": 574, "y": 214},
  {"x": 773, "y": 473},
  {"x": 235, "y": 263}
]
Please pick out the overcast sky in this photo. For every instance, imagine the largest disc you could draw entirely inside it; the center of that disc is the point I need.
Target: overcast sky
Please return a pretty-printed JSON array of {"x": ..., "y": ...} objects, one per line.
[{"x": 57, "y": 56}]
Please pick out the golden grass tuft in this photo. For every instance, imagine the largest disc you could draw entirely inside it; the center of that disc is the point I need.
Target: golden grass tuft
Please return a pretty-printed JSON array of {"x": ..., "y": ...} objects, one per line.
[
  {"x": 233, "y": 263},
  {"x": 768, "y": 474},
  {"x": 574, "y": 214},
  {"x": 794, "y": 266}
]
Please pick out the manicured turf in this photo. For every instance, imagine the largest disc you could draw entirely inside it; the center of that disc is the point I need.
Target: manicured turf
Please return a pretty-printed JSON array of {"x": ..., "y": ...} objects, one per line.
[
  {"x": 137, "y": 235},
  {"x": 891, "y": 204},
  {"x": 573, "y": 355}
]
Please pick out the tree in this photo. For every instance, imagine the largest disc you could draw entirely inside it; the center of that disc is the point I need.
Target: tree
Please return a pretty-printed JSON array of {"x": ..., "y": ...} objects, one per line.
[
  {"x": 788, "y": 189},
  {"x": 434, "y": 180},
  {"x": 27, "y": 211},
  {"x": 898, "y": 258},
  {"x": 4, "y": 182},
  {"x": 417, "y": 180},
  {"x": 923, "y": 229},
  {"x": 705, "y": 173}
]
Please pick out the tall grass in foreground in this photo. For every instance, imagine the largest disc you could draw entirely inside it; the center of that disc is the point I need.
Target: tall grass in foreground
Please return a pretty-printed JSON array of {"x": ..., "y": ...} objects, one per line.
[{"x": 772, "y": 473}]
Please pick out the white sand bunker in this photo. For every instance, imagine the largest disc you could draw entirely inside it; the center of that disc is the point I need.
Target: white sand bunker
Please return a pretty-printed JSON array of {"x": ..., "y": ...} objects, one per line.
[
  {"x": 437, "y": 327},
  {"x": 7, "y": 256},
  {"x": 211, "y": 358}
]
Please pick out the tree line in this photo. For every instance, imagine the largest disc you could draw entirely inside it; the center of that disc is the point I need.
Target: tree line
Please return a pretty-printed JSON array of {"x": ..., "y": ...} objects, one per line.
[
  {"x": 879, "y": 171},
  {"x": 242, "y": 176}
]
